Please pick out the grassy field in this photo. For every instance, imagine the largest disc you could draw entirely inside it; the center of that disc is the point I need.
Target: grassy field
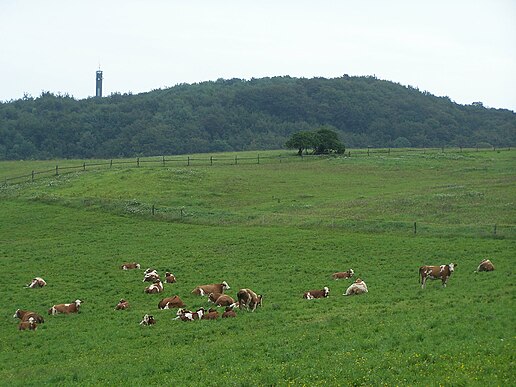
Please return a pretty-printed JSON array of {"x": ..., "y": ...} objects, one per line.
[{"x": 280, "y": 229}]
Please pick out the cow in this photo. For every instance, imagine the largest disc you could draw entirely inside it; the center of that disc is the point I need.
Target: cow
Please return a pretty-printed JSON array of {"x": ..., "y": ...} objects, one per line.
[
  {"x": 212, "y": 297},
  {"x": 171, "y": 302},
  {"x": 357, "y": 287},
  {"x": 311, "y": 294},
  {"x": 442, "y": 272},
  {"x": 248, "y": 299},
  {"x": 156, "y": 287},
  {"x": 28, "y": 325},
  {"x": 343, "y": 274},
  {"x": 204, "y": 290},
  {"x": 224, "y": 300},
  {"x": 148, "y": 320},
  {"x": 24, "y": 315},
  {"x": 485, "y": 265},
  {"x": 212, "y": 314},
  {"x": 130, "y": 265},
  {"x": 170, "y": 278},
  {"x": 229, "y": 312},
  {"x": 66, "y": 308},
  {"x": 122, "y": 305},
  {"x": 37, "y": 282},
  {"x": 186, "y": 315},
  {"x": 151, "y": 276}
]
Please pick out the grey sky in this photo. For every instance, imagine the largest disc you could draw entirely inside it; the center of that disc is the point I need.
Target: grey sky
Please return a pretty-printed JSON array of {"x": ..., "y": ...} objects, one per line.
[{"x": 464, "y": 49}]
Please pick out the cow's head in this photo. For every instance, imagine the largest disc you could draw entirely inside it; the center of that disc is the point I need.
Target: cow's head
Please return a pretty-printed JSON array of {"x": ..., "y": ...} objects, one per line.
[
  {"x": 32, "y": 321},
  {"x": 326, "y": 291},
  {"x": 225, "y": 285},
  {"x": 351, "y": 272},
  {"x": 17, "y": 313},
  {"x": 78, "y": 303},
  {"x": 452, "y": 267}
]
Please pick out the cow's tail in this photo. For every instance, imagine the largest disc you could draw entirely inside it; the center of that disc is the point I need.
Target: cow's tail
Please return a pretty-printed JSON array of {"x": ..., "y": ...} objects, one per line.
[{"x": 419, "y": 276}]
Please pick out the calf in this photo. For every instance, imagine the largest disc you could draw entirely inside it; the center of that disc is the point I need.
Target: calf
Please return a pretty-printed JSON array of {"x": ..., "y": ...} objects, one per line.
[
  {"x": 485, "y": 265},
  {"x": 212, "y": 297},
  {"x": 212, "y": 314},
  {"x": 171, "y": 302},
  {"x": 30, "y": 325},
  {"x": 248, "y": 299},
  {"x": 130, "y": 265},
  {"x": 224, "y": 300},
  {"x": 122, "y": 305},
  {"x": 25, "y": 315},
  {"x": 229, "y": 312},
  {"x": 204, "y": 290},
  {"x": 343, "y": 274},
  {"x": 37, "y": 282},
  {"x": 151, "y": 276},
  {"x": 170, "y": 278},
  {"x": 65, "y": 308},
  {"x": 311, "y": 294},
  {"x": 186, "y": 315},
  {"x": 156, "y": 287},
  {"x": 442, "y": 272},
  {"x": 148, "y": 320},
  {"x": 357, "y": 287}
]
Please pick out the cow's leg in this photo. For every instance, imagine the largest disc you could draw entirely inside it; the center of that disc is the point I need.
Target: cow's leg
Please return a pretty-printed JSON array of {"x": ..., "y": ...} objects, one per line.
[{"x": 423, "y": 282}]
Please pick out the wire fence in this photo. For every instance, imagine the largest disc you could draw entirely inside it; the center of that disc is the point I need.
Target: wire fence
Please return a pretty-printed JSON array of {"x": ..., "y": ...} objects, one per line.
[{"x": 191, "y": 161}]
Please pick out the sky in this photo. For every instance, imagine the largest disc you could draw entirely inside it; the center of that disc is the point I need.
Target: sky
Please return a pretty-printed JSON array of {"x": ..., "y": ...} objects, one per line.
[{"x": 462, "y": 49}]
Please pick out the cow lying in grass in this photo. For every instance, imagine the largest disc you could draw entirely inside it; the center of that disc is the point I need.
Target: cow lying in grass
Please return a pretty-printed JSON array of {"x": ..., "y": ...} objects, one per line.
[
  {"x": 37, "y": 282},
  {"x": 229, "y": 312},
  {"x": 150, "y": 276},
  {"x": 357, "y": 287},
  {"x": 221, "y": 299},
  {"x": 343, "y": 274},
  {"x": 170, "y": 278},
  {"x": 311, "y": 294},
  {"x": 130, "y": 265},
  {"x": 25, "y": 315},
  {"x": 28, "y": 325},
  {"x": 204, "y": 290},
  {"x": 485, "y": 265},
  {"x": 148, "y": 320},
  {"x": 66, "y": 308},
  {"x": 171, "y": 302},
  {"x": 187, "y": 315},
  {"x": 211, "y": 314},
  {"x": 156, "y": 287},
  {"x": 122, "y": 305}
]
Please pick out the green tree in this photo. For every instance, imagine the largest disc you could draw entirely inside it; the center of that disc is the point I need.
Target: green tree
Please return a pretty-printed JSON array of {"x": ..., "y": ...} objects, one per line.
[
  {"x": 303, "y": 140},
  {"x": 327, "y": 141}
]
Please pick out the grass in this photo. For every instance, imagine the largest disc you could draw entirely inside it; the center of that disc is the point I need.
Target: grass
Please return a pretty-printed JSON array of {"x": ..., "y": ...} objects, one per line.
[{"x": 75, "y": 230}]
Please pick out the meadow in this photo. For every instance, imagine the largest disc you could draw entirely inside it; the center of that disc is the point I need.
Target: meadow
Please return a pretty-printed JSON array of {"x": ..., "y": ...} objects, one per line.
[{"x": 280, "y": 229}]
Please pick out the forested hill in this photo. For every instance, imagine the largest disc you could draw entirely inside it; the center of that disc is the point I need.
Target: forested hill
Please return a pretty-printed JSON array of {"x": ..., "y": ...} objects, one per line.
[{"x": 237, "y": 115}]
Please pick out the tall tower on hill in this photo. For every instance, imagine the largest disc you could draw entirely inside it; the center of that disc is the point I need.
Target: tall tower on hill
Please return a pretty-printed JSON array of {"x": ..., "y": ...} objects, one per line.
[{"x": 99, "y": 83}]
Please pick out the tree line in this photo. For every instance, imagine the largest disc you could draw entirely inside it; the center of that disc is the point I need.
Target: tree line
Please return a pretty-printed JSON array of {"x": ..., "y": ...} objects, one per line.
[{"x": 236, "y": 114}]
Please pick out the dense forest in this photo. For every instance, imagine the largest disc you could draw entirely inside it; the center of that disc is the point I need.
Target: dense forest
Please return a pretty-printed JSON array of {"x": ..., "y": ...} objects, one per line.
[{"x": 235, "y": 114}]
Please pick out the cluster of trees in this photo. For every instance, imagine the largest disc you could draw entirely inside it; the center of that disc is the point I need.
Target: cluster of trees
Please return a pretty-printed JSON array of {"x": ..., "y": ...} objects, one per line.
[
  {"x": 324, "y": 140},
  {"x": 235, "y": 114}
]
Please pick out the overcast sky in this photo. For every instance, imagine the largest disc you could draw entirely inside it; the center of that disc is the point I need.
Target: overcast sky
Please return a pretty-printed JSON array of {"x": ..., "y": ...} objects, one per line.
[{"x": 463, "y": 49}]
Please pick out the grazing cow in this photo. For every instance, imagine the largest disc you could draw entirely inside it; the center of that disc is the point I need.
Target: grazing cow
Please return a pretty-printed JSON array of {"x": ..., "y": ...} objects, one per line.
[
  {"x": 122, "y": 305},
  {"x": 148, "y": 320},
  {"x": 204, "y": 290},
  {"x": 28, "y": 325},
  {"x": 24, "y": 315},
  {"x": 37, "y": 282},
  {"x": 66, "y": 308},
  {"x": 343, "y": 274},
  {"x": 156, "y": 287},
  {"x": 130, "y": 265},
  {"x": 186, "y": 315},
  {"x": 357, "y": 287},
  {"x": 171, "y": 302},
  {"x": 442, "y": 272},
  {"x": 170, "y": 278},
  {"x": 212, "y": 314},
  {"x": 224, "y": 300},
  {"x": 248, "y": 299},
  {"x": 229, "y": 312},
  {"x": 151, "y": 276},
  {"x": 311, "y": 294},
  {"x": 485, "y": 265}
]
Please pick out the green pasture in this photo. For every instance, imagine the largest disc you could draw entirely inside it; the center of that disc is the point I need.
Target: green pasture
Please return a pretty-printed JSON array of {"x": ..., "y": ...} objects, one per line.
[{"x": 280, "y": 228}]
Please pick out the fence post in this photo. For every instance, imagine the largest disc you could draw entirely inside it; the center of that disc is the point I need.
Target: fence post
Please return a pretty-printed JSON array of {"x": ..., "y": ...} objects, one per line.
[
  {"x": 236, "y": 160},
  {"x": 415, "y": 228},
  {"x": 111, "y": 164},
  {"x": 57, "y": 170},
  {"x": 368, "y": 150},
  {"x": 137, "y": 161},
  {"x": 211, "y": 160},
  {"x": 460, "y": 149},
  {"x": 153, "y": 209},
  {"x": 389, "y": 152},
  {"x": 494, "y": 229},
  {"x": 181, "y": 213},
  {"x": 280, "y": 159},
  {"x": 188, "y": 161},
  {"x": 442, "y": 148},
  {"x": 83, "y": 166},
  {"x": 32, "y": 178},
  {"x": 163, "y": 159},
  {"x": 258, "y": 158}
]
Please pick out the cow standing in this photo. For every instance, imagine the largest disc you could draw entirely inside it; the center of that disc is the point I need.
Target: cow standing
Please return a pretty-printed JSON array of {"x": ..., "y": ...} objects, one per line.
[
  {"x": 442, "y": 272},
  {"x": 248, "y": 299}
]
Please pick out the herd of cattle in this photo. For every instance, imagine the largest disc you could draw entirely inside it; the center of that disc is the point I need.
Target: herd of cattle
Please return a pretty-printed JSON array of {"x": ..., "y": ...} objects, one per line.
[{"x": 246, "y": 298}]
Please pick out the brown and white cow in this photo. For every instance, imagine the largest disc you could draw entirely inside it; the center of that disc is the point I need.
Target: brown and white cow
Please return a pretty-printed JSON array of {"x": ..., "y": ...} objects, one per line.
[
  {"x": 122, "y": 305},
  {"x": 442, "y": 272},
  {"x": 204, "y": 290},
  {"x": 211, "y": 314},
  {"x": 156, "y": 287},
  {"x": 170, "y": 278},
  {"x": 186, "y": 315},
  {"x": 248, "y": 299},
  {"x": 311, "y": 294},
  {"x": 28, "y": 325},
  {"x": 130, "y": 265},
  {"x": 37, "y": 282},
  {"x": 224, "y": 300},
  {"x": 343, "y": 274},
  {"x": 148, "y": 320},
  {"x": 171, "y": 302},
  {"x": 24, "y": 315},
  {"x": 357, "y": 287},
  {"x": 66, "y": 308},
  {"x": 212, "y": 297},
  {"x": 229, "y": 312},
  {"x": 151, "y": 276},
  {"x": 485, "y": 265}
]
